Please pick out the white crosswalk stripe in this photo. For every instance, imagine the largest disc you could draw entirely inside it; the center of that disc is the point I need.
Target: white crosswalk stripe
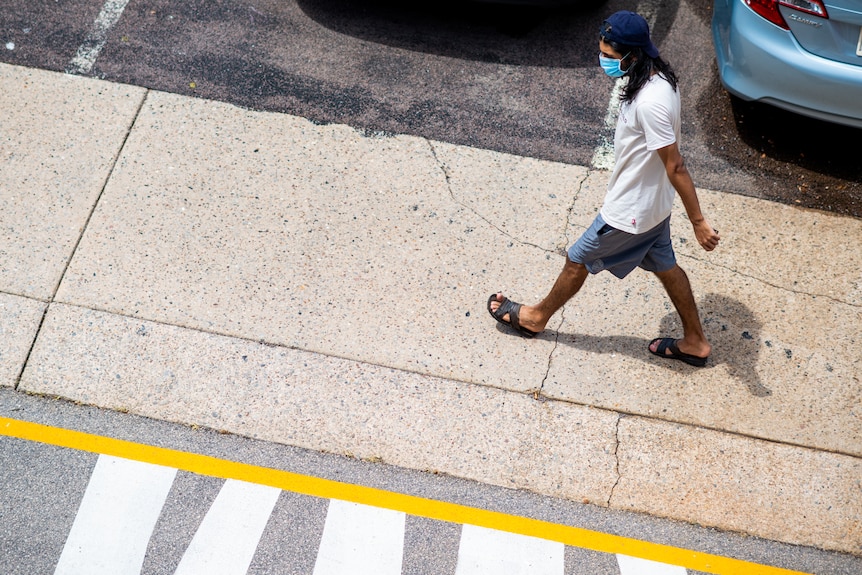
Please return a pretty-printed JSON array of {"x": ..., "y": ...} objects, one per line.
[
  {"x": 361, "y": 540},
  {"x": 228, "y": 537},
  {"x": 490, "y": 552},
  {"x": 117, "y": 515},
  {"x": 123, "y": 501},
  {"x": 636, "y": 566}
]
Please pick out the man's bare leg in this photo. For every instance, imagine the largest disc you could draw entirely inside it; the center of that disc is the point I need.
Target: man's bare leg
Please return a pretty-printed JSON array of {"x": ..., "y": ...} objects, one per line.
[
  {"x": 694, "y": 342},
  {"x": 568, "y": 283}
]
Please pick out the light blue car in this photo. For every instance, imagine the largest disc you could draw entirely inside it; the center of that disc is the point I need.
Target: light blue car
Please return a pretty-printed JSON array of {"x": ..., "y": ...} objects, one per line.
[{"x": 801, "y": 55}]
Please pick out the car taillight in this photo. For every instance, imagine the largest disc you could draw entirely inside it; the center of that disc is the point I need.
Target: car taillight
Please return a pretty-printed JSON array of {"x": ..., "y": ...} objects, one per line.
[{"x": 769, "y": 9}]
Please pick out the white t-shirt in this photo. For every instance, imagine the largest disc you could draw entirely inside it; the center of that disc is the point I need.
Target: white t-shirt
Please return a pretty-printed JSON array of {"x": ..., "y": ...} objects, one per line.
[{"x": 640, "y": 195}]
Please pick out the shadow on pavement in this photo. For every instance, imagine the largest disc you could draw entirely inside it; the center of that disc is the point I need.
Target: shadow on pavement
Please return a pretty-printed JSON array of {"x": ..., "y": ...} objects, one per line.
[
  {"x": 732, "y": 329},
  {"x": 550, "y": 36}
]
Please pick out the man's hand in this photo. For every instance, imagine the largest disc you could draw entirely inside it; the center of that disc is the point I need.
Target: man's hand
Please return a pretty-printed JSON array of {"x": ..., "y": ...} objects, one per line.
[{"x": 707, "y": 237}]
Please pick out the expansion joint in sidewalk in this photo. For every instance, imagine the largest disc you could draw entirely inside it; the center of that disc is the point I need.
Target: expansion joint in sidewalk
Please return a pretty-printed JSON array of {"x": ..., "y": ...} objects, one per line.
[
  {"x": 30, "y": 351},
  {"x": 84, "y": 227},
  {"x": 108, "y": 177}
]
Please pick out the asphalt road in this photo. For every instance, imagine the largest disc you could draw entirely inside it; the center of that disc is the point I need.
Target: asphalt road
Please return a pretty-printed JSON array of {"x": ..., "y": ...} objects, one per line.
[
  {"x": 51, "y": 494},
  {"x": 517, "y": 80}
]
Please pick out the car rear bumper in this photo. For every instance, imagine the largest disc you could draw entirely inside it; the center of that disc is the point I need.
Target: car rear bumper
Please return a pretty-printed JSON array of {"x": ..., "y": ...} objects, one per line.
[{"x": 758, "y": 61}]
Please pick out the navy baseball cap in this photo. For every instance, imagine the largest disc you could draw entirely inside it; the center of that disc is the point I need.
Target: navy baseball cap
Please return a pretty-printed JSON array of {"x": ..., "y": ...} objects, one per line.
[{"x": 628, "y": 29}]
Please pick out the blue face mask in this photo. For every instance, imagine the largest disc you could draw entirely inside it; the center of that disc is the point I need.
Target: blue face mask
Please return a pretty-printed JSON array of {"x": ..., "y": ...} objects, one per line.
[{"x": 611, "y": 66}]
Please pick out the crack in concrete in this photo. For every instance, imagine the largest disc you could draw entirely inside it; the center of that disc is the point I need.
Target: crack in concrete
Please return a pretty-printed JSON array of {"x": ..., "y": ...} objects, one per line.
[
  {"x": 448, "y": 178},
  {"x": 569, "y": 223},
  {"x": 769, "y": 283},
  {"x": 616, "y": 457},
  {"x": 571, "y": 209},
  {"x": 568, "y": 241},
  {"x": 536, "y": 393},
  {"x": 548, "y": 368}
]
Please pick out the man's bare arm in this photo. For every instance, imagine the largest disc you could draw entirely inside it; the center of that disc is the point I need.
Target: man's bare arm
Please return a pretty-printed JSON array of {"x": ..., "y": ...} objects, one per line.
[{"x": 678, "y": 174}]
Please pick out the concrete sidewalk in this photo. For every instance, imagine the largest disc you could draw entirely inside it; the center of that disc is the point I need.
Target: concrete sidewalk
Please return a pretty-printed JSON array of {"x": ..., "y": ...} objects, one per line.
[{"x": 192, "y": 261}]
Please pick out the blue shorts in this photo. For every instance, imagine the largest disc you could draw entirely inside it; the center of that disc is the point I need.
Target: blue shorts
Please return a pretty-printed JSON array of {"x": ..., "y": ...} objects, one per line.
[{"x": 603, "y": 247}]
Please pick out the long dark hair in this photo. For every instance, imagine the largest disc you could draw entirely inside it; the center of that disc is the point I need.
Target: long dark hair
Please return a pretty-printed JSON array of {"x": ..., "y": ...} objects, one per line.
[{"x": 640, "y": 69}]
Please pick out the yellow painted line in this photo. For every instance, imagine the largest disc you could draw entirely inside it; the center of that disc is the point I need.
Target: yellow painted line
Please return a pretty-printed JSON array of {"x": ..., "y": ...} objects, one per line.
[{"x": 328, "y": 489}]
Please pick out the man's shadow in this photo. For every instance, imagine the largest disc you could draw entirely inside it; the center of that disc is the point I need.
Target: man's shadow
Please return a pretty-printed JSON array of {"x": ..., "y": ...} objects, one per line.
[{"x": 732, "y": 329}]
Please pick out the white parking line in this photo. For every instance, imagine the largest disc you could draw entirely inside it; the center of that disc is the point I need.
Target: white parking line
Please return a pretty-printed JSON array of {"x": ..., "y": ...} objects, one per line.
[
  {"x": 361, "y": 540},
  {"x": 603, "y": 155},
  {"x": 229, "y": 535},
  {"x": 117, "y": 515},
  {"x": 635, "y": 566},
  {"x": 490, "y": 552},
  {"x": 87, "y": 53}
]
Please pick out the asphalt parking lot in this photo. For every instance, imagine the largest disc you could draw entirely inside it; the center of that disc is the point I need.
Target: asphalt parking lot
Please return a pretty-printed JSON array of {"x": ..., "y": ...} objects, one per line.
[{"x": 518, "y": 80}]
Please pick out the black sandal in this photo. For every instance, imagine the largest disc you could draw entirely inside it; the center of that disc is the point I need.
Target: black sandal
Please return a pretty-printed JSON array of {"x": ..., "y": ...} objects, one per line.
[
  {"x": 507, "y": 306},
  {"x": 669, "y": 343}
]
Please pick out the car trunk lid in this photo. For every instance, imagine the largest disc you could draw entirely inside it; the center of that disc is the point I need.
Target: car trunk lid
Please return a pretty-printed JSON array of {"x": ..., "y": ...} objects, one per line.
[{"x": 836, "y": 37}]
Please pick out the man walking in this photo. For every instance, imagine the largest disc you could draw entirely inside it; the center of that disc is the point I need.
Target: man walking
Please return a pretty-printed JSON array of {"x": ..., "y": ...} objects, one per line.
[{"x": 633, "y": 227}]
